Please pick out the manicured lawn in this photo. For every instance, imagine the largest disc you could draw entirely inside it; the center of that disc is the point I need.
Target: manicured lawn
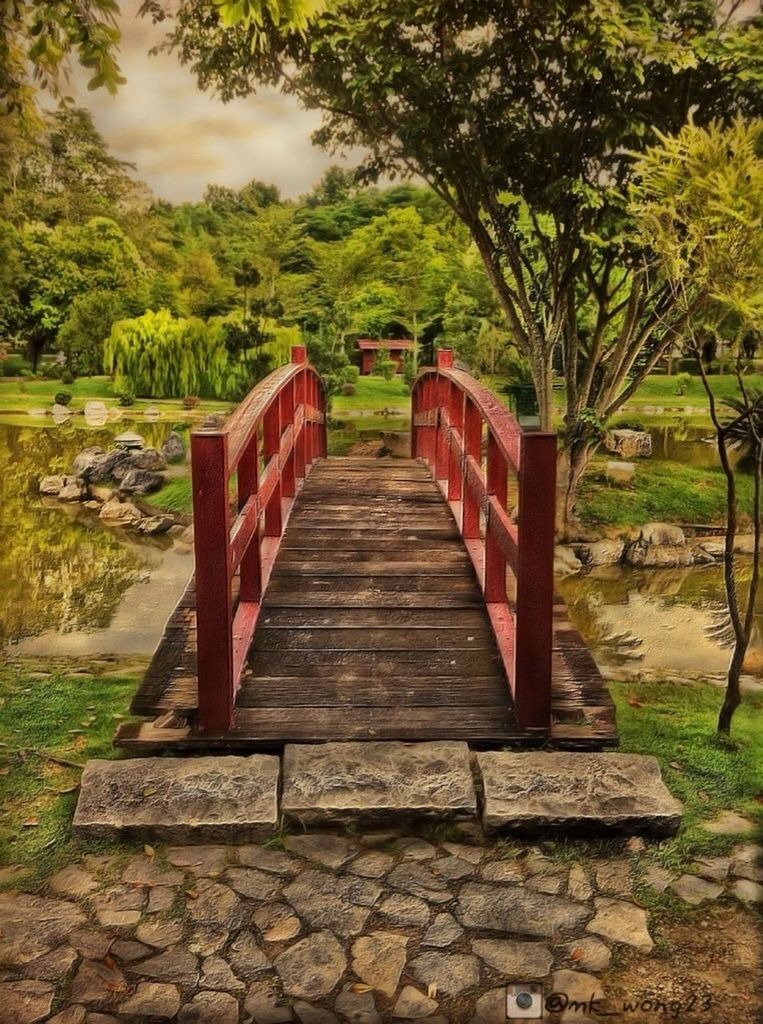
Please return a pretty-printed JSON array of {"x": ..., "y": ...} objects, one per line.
[{"x": 372, "y": 395}]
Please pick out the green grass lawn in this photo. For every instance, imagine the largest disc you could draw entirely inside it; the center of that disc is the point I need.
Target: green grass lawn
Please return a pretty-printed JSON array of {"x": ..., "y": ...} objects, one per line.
[
  {"x": 372, "y": 395},
  {"x": 175, "y": 496}
]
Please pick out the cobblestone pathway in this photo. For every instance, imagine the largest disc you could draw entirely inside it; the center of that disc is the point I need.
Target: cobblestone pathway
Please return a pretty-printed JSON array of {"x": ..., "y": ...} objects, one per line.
[{"x": 327, "y": 928}]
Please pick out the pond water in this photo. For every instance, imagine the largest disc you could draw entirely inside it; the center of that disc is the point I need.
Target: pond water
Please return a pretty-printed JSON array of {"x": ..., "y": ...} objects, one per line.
[
  {"x": 693, "y": 446},
  {"x": 69, "y": 585}
]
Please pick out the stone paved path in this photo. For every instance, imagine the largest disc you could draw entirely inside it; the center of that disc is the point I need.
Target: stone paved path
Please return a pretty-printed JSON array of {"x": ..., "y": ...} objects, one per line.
[{"x": 326, "y": 928}]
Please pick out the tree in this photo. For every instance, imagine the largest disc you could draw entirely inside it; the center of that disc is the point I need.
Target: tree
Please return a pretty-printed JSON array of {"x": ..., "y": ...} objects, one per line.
[
  {"x": 521, "y": 116},
  {"x": 86, "y": 328},
  {"x": 698, "y": 199}
]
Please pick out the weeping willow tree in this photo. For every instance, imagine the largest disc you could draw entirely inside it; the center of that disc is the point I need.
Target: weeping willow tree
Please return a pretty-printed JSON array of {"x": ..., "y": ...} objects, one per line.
[{"x": 162, "y": 356}]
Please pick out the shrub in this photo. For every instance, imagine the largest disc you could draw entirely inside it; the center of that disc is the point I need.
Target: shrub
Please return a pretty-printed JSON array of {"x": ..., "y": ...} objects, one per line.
[
  {"x": 67, "y": 377},
  {"x": 62, "y": 397},
  {"x": 191, "y": 402},
  {"x": 351, "y": 374},
  {"x": 384, "y": 366},
  {"x": 126, "y": 396},
  {"x": 683, "y": 381},
  {"x": 348, "y": 389},
  {"x": 14, "y": 366}
]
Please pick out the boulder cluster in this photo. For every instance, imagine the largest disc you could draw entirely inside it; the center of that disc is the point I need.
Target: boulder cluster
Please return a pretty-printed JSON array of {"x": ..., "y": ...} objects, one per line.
[{"x": 106, "y": 480}]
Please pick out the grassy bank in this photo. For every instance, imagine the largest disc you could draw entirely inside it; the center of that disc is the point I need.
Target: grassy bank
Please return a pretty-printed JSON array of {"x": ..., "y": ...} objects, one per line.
[{"x": 374, "y": 396}]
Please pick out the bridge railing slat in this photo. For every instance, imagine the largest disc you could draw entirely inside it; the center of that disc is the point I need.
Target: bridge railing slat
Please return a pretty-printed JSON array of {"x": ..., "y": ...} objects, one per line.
[
  {"x": 453, "y": 419},
  {"x": 283, "y": 418}
]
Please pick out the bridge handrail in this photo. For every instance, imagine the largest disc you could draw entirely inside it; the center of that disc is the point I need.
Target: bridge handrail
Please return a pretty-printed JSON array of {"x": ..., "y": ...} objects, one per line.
[
  {"x": 288, "y": 408},
  {"x": 450, "y": 413}
]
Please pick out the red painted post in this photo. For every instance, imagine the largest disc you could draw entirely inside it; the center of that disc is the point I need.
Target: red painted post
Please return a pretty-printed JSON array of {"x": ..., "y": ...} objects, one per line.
[
  {"x": 428, "y": 408},
  {"x": 251, "y": 568},
  {"x": 309, "y": 425},
  {"x": 271, "y": 428},
  {"x": 470, "y": 528},
  {"x": 535, "y": 579},
  {"x": 442, "y": 393},
  {"x": 456, "y": 415},
  {"x": 414, "y": 414},
  {"x": 286, "y": 415},
  {"x": 300, "y": 441},
  {"x": 497, "y": 484},
  {"x": 211, "y": 518}
]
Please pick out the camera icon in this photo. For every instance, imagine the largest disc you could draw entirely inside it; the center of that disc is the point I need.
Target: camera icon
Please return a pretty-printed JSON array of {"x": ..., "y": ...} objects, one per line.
[{"x": 524, "y": 1001}]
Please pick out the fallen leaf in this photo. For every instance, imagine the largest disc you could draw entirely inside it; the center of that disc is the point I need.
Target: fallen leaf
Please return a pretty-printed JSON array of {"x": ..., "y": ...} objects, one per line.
[
  {"x": 577, "y": 953},
  {"x": 676, "y": 766},
  {"x": 359, "y": 986},
  {"x": 192, "y": 894},
  {"x": 149, "y": 851},
  {"x": 635, "y": 703},
  {"x": 432, "y": 991},
  {"x": 149, "y": 790},
  {"x": 31, "y": 823}
]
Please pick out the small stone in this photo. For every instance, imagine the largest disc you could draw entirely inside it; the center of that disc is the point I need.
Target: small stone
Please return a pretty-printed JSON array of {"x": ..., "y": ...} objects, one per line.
[
  {"x": 71, "y": 1015},
  {"x": 309, "y": 1014},
  {"x": 502, "y": 871},
  {"x": 199, "y": 860},
  {"x": 73, "y": 881},
  {"x": 120, "y": 906},
  {"x": 262, "y": 1002},
  {"x": 747, "y": 862},
  {"x": 89, "y": 943},
  {"x": 152, "y": 999},
  {"x": 728, "y": 823},
  {"x": 378, "y": 960},
  {"x": 331, "y": 851},
  {"x": 277, "y": 922},
  {"x": 658, "y": 878},
  {"x": 518, "y": 910},
  {"x": 623, "y": 922},
  {"x": 443, "y": 931},
  {"x": 635, "y": 845},
  {"x": 419, "y": 881},
  {"x": 357, "y": 1007},
  {"x": 215, "y": 907},
  {"x": 452, "y": 973},
  {"x": 714, "y": 868},
  {"x": 74, "y": 490},
  {"x": 160, "y": 899},
  {"x": 491, "y": 1007},
  {"x": 405, "y": 911},
  {"x": 143, "y": 870},
  {"x": 206, "y": 941},
  {"x": 210, "y": 1008},
  {"x": 25, "y": 1002},
  {"x": 275, "y": 861},
  {"x": 51, "y": 966},
  {"x": 96, "y": 982},
  {"x": 154, "y": 525},
  {"x": 694, "y": 890},
  {"x": 524, "y": 960},
  {"x": 128, "y": 952},
  {"x": 413, "y": 1005},
  {"x": 257, "y": 885},
  {"x": 378, "y": 838},
  {"x": 452, "y": 868},
  {"x": 340, "y": 904},
  {"x": 120, "y": 513},
  {"x": 415, "y": 849},
  {"x": 175, "y": 965},
  {"x": 160, "y": 932},
  {"x": 216, "y": 974},
  {"x": 578, "y": 886},
  {"x": 100, "y": 1018},
  {"x": 747, "y": 891},
  {"x": 546, "y": 883},
  {"x": 579, "y": 988},
  {"x": 311, "y": 968},
  {"x": 33, "y": 925},
  {"x": 51, "y": 485},
  {"x": 587, "y": 954},
  {"x": 472, "y": 854},
  {"x": 374, "y": 864},
  {"x": 246, "y": 958},
  {"x": 613, "y": 877}
]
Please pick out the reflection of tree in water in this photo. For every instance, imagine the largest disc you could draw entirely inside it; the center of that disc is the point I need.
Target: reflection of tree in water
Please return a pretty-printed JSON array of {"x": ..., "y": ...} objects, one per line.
[{"x": 58, "y": 569}]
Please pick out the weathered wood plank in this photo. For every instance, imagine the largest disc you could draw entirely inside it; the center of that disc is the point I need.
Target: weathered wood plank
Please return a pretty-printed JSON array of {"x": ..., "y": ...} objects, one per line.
[{"x": 426, "y": 691}]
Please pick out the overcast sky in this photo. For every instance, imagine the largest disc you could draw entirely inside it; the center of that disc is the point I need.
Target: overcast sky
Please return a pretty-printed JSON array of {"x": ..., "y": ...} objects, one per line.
[{"x": 182, "y": 139}]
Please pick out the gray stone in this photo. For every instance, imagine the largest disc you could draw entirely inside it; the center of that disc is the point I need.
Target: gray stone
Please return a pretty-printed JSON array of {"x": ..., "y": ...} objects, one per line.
[
  {"x": 309, "y": 1014},
  {"x": 522, "y": 960},
  {"x": 451, "y": 973},
  {"x": 578, "y": 886},
  {"x": 377, "y": 782},
  {"x": 329, "y": 850},
  {"x": 623, "y": 922},
  {"x": 152, "y": 999},
  {"x": 503, "y": 871},
  {"x": 443, "y": 931},
  {"x": 217, "y": 974},
  {"x": 96, "y": 465},
  {"x": 378, "y": 960},
  {"x": 71, "y": 1015},
  {"x": 275, "y": 861},
  {"x": 613, "y": 877},
  {"x": 277, "y": 922},
  {"x": 246, "y": 958},
  {"x": 216, "y": 907},
  {"x": 25, "y": 1002},
  {"x": 566, "y": 562},
  {"x": 373, "y": 864},
  {"x": 728, "y": 823},
  {"x": 413, "y": 1005},
  {"x": 357, "y": 1007},
  {"x": 120, "y": 906},
  {"x": 173, "y": 449},
  {"x": 514, "y": 909},
  {"x": 175, "y": 965},
  {"x": 129, "y": 951},
  {"x": 51, "y": 485},
  {"x": 51, "y": 966},
  {"x": 452, "y": 868},
  {"x": 160, "y": 932},
  {"x": 464, "y": 851},
  {"x": 405, "y": 911},
  {"x": 144, "y": 870},
  {"x": 629, "y": 444},
  {"x": 340, "y": 904},
  {"x": 531, "y": 791},
  {"x": 714, "y": 868},
  {"x": 179, "y": 799},
  {"x": 747, "y": 891},
  {"x": 120, "y": 513},
  {"x": 695, "y": 890},
  {"x": 199, "y": 860},
  {"x": 747, "y": 862},
  {"x": 147, "y": 459},
  {"x": 311, "y": 968},
  {"x": 264, "y": 1003},
  {"x": 600, "y": 552},
  {"x": 31, "y": 926},
  {"x": 658, "y": 878},
  {"x": 210, "y": 1008},
  {"x": 97, "y": 982},
  {"x": 140, "y": 481},
  {"x": 580, "y": 989},
  {"x": 419, "y": 881},
  {"x": 154, "y": 525},
  {"x": 415, "y": 849},
  {"x": 658, "y": 545},
  {"x": 257, "y": 885},
  {"x": 587, "y": 954},
  {"x": 491, "y": 1007}
]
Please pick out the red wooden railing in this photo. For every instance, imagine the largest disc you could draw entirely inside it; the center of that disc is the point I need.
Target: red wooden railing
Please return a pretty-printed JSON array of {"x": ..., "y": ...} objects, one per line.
[
  {"x": 270, "y": 442},
  {"x": 453, "y": 419}
]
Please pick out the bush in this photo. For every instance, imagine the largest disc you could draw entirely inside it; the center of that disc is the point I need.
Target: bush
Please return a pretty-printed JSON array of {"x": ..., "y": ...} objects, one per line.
[
  {"x": 62, "y": 397},
  {"x": 126, "y": 396},
  {"x": 67, "y": 377},
  {"x": 348, "y": 389},
  {"x": 14, "y": 366},
  {"x": 191, "y": 402},
  {"x": 683, "y": 381},
  {"x": 351, "y": 374},
  {"x": 384, "y": 366}
]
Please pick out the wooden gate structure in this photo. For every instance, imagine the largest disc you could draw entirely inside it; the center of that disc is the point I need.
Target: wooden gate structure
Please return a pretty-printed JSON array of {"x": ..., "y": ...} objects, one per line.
[{"x": 342, "y": 598}]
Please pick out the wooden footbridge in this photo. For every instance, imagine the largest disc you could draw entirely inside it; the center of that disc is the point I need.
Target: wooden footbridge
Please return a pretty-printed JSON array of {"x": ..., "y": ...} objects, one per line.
[{"x": 342, "y": 598}]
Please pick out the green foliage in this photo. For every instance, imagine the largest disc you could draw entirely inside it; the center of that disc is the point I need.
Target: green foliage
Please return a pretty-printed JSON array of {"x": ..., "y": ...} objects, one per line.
[
  {"x": 86, "y": 327},
  {"x": 63, "y": 397},
  {"x": 175, "y": 496},
  {"x": 683, "y": 383},
  {"x": 126, "y": 396},
  {"x": 383, "y": 365}
]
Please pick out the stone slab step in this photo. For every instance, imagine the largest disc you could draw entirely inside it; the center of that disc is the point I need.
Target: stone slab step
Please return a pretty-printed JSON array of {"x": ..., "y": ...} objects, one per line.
[
  {"x": 535, "y": 792},
  {"x": 377, "y": 782},
  {"x": 195, "y": 799}
]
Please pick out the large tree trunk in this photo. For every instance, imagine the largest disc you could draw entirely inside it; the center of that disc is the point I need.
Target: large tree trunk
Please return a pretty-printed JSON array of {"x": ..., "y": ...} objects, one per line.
[
  {"x": 572, "y": 464},
  {"x": 733, "y": 695}
]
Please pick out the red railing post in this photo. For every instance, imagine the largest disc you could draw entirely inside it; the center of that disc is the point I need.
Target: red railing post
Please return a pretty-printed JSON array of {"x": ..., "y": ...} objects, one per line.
[
  {"x": 470, "y": 525},
  {"x": 442, "y": 395},
  {"x": 497, "y": 484},
  {"x": 250, "y": 585},
  {"x": 456, "y": 417},
  {"x": 535, "y": 579},
  {"x": 286, "y": 415},
  {"x": 299, "y": 356},
  {"x": 214, "y": 616},
  {"x": 271, "y": 443}
]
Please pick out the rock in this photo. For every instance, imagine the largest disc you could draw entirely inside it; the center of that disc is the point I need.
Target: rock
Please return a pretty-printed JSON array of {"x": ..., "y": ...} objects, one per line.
[
  {"x": 630, "y": 444},
  {"x": 491, "y": 1007},
  {"x": 90, "y": 943},
  {"x": 405, "y": 911},
  {"x": 96, "y": 466},
  {"x": 71, "y": 1015},
  {"x": 339, "y": 904},
  {"x": 502, "y": 871},
  {"x": 120, "y": 513},
  {"x": 452, "y": 973},
  {"x": 210, "y": 1008},
  {"x": 128, "y": 951},
  {"x": 73, "y": 881},
  {"x": 152, "y": 999},
  {"x": 576, "y": 988},
  {"x": 173, "y": 449},
  {"x": 52, "y": 966},
  {"x": 129, "y": 440},
  {"x": 658, "y": 878},
  {"x": 532, "y": 791},
  {"x": 277, "y": 922},
  {"x": 31, "y": 926},
  {"x": 357, "y": 1007},
  {"x": 623, "y": 922},
  {"x": 620, "y": 472},
  {"x": 614, "y": 877},
  {"x": 140, "y": 481},
  {"x": 413, "y": 1005},
  {"x": 276, "y": 861},
  {"x": 600, "y": 552},
  {"x": 728, "y": 823},
  {"x": 419, "y": 881},
  {"x": 179, "y": 799},
  {"x": 377, "y": 782},
  {"x": 452, "y": 868},
  {"x": 257, "y": 885},
  {"x": 546, "y": 883},
  {"x": 747, "y": 862},
  {"x": 566, "y": 562},
  {"x": 216, "y": 907},
  {"x": 144, "y": 870},
  {"x": 378, "y": 960},
  {"x": 415, "y": 849},
  {"x": 147, "y": 459},
  {"x": 160, "y": 898},
  {"x": 153, "y": 525},
  {"x": 714, "y": 868},
  {"x": 96, "y": 413},
  {"x": 332, "y": 851},
  {"x": 120, "y": 906},
  {"x": 97, "y": 982},
  {"x": 514, "y": 909},
  {"x": 51, "y": 485},
  {"x": 309, "y": 1014},
  {"x": 216, "y": 974},
  {"x": 443, "y": 931},
  {"x": 747, "y": 891},
  {"x": 162, "y": 932},
  {"x": 472, "y": 854},
  {"x": 587, "y": 954},
  {"x": 262, "y": 1002},
  {"x": 374, "y": 864},
  {"x": 528, "y": 960},
  {"x": 187, "y": 536},
  {"x": 175, "y": 965},
  {"x": 578, "y": 886},
  {"x": 658, "y": 545},
  {"x": 312, "y": 967},
  {"x": 74, "y": 489},
  {"x": 199, "y": 860},
  {"x": 714, "y": 549},
  {"x": 25, "y": 1002},
  {"x": 246, "y": 958}
]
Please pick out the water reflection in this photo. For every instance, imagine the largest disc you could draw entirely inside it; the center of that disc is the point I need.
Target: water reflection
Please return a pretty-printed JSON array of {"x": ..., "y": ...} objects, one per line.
[{"x": 65, "y": 580}]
